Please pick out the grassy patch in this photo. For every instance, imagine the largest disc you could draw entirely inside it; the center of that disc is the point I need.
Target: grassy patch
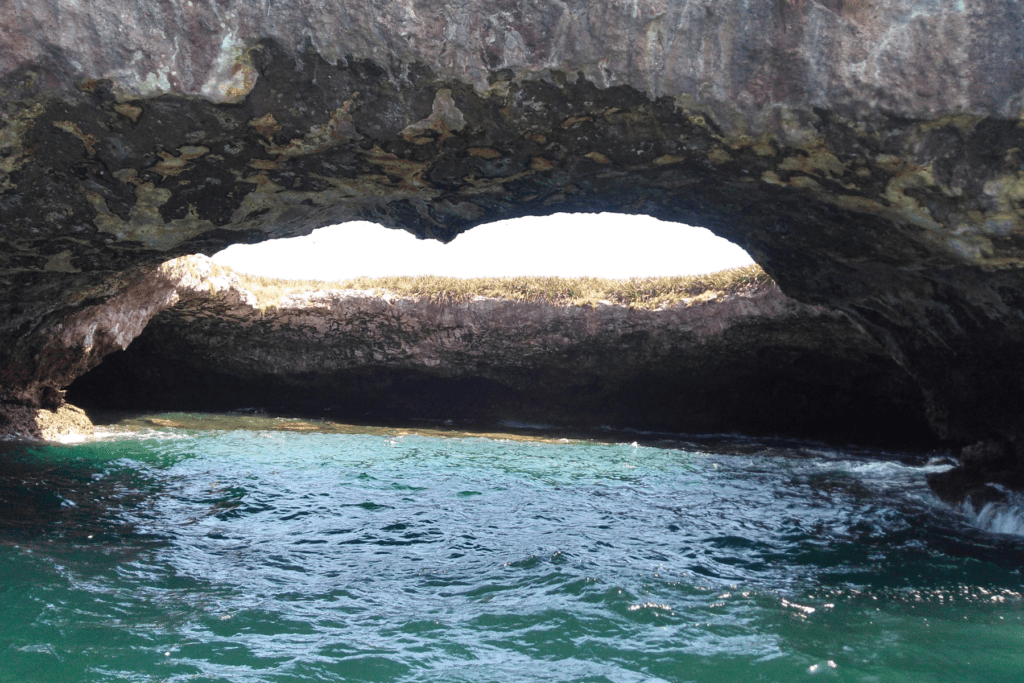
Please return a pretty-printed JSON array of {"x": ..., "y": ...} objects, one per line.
[{"x": 652, "y": 292}]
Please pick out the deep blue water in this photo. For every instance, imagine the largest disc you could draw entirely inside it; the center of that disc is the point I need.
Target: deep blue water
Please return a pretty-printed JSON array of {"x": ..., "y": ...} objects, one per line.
[{"x": 221, "y": 548}]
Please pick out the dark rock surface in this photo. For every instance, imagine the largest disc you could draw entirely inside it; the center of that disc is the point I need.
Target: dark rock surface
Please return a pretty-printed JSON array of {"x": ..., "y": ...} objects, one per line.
[
  {"x": 867, "y": 153},
  {"x": 754, "y": 361}
]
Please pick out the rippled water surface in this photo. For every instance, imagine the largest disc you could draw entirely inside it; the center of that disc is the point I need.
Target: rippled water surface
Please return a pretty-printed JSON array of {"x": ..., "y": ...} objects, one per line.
[{"x": 218, "y": 548}]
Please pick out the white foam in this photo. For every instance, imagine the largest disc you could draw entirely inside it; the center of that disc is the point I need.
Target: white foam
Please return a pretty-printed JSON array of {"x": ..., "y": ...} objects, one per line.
[
  {"x": 999, "y": 517},
  {"x": 136, "y": 434},
  {"x": 71, "y": 438}
]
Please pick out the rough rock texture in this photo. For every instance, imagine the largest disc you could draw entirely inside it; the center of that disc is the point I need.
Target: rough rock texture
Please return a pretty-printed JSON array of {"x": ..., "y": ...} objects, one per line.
[
  {"x": 43, "y": 423},
  {"x": 72, "y": 345},
  {"x": 66, "y": 421},
  {"x": 755, "y": 361},
  {"x": 867, "y": 153}
]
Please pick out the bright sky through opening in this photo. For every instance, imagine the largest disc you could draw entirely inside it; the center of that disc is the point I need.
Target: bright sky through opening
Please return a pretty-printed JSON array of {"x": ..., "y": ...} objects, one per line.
[{"x": 564, "y": 245}]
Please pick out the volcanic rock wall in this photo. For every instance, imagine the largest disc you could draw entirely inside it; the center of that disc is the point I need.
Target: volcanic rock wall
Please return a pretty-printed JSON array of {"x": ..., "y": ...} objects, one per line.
[
  {"x": 867, "y": 153},
  {"x": 753, "y": 361}
]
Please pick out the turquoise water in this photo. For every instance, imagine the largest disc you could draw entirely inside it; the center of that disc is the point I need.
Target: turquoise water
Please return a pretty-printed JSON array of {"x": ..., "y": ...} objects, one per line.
[{"x": 222, "y": 548}]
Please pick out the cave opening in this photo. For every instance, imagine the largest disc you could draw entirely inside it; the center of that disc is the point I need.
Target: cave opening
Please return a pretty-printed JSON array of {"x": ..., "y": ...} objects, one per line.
[
  {"x": 603, "y": 245},
  {"x": 744, "y": 360}
]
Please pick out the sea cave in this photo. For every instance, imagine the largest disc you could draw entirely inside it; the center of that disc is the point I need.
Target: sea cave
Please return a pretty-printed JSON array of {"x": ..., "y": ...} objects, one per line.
[{"x": 867, "y": 155}]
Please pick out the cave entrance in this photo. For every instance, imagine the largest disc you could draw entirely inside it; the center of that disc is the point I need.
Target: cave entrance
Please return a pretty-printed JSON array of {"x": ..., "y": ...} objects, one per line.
[
  {"x": 725, "y": 359},
  {"x": 601, "y": 245}
]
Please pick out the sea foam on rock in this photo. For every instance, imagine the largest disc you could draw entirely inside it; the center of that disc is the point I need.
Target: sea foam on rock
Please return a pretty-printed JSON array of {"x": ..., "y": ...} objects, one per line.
[{"x": 996, "y": 509}]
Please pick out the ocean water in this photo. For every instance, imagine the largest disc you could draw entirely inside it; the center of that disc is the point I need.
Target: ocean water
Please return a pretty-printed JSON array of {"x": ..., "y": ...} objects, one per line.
[{"x": 252, "y": 549}]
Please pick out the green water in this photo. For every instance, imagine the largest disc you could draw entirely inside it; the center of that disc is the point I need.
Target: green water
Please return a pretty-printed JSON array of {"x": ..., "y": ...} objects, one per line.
[{"x": 225, "y": 548}]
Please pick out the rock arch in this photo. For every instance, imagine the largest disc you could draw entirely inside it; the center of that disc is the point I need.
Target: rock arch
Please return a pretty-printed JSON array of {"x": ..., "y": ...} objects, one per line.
[{"x": 866, "y": 153}]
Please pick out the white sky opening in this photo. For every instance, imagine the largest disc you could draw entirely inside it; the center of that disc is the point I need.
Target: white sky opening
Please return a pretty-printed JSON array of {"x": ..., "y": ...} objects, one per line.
[{"x": 564, "y": 245}]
